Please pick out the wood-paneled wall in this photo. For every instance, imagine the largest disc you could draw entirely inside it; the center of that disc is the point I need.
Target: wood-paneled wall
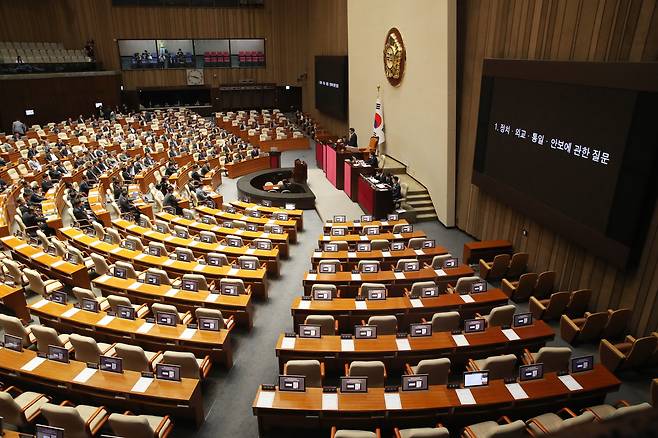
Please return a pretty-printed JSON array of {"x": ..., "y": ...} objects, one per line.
[{"x": 580, "y": 30}]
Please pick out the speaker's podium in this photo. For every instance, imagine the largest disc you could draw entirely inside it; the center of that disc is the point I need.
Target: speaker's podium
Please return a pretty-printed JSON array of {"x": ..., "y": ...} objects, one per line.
[
  {"x": 334, "y": 162},
  {"x": 275, "y": 158}
]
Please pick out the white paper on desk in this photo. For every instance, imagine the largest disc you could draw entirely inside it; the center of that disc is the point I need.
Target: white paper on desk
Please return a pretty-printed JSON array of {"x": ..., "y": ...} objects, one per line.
[
  {"x": 356, "y": 277},
  {"x": 145, "y": 328},
  {"x": 233, "y": 271},
  {"x": 361, "y": 305},
  {"x": 116, "y": 250},
  {"x": 511, "y": 335},
  {"x": 570, "y": 382},
  {"x": 103, "y": 278},
  {"x": 33, "y": 364},
  {"x": 187, "y": 333},
  {"x": 351, "y": 255},
  {"x": 416, "y": 302},
  {"x": 419, "y": 251},
  {"x": 211, "y": 298},
  {"x": 465, "y": 396},
  {"x": 251, "y": 251},
  {"x": 304, "y": 304},
  {"x": 440, "y": 272},
  {"x": 311, "y": 277},
  {"x": 467, "y": 298},
  {"x": 85, "y": 375},
  {"x": 168, "y": 262},
  {"x": 403, "y": 344},
  {"x": 193, "y": 243},
  {"x": 265, "y": 399},
  {"x": 288, "y": 343},
  {"x": 134, "y": 286},
  {"x": 347, "y": 345},
  {"x": 36, "y": 255},
  {"x": 216, "y": 228},
  {"x": 132, "y": 226},
  {"x": 142, "y": 384},
  {"x": 265, "y": 235},
  {"x": 516, "y": 391},
  {"x": 95, "y": 243},
  {"x": 329, "y": 402},
  {"x": 21, "y": 246},
  {"x": 171, "y": 293},
  {"x": 271, "y": 222},
  {"x": 140, "y": 256},
  {"x": 386, "y": 254},
  {"x": 460, "y": 340},
  {"x": 69, "y": 313},
  {"x": 397, "y": 236},
  {"x": 384, "y": 223},
  {"x": 363, "y": 237},
  {"x": 148, "y": 233},
  {"x": 39, "y": 304},
  {"x": 356, "y": 224},
  {"x": 392, "y": 400},
  {"x": 57, "y": 263},
  {"x": 198, "y": 268},
  {"x": 399, "y": 275},
  {"x": 105, "y": 320},
  {"x": 238, "y": 232},
  {"x": 317, "y": 255}
]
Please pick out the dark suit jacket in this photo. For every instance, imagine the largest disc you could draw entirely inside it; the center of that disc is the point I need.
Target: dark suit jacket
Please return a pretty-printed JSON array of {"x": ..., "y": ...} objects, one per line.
[{"x": 352, "y": 140}]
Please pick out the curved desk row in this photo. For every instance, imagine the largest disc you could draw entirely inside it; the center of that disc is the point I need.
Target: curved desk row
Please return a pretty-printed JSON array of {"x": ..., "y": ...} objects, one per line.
[
  {"x": 388, "y": 259},
  {"x": 289, "y": 226},
  {"x": 296, "y": 214},
  {"x": 355, "y": 238},
  {"x": 355, "y": 227}
]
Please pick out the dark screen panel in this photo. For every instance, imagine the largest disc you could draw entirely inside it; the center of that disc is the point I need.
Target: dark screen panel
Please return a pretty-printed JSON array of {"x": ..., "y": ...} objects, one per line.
[{"x": 331, "y": 87}]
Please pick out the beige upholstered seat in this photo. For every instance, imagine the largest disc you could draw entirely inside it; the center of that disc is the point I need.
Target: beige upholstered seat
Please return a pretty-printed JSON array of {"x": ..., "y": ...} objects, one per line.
[
  {"x": 48, "y": 336},
  {"x": 418, "y": 287},
  {"x": 584, "y": 329},
  {"x": 501, "y": 315},
  {"x": 13, "y": 326},
  {"x": 608, "y": 412},
  {"x": 423, "y": 432},
  {"x": 200, "y": 280},
  {"x": 221, "y": 258},
  {"x": 492, "y": 429},
  {"x": 496, "y": 269},
  {"x": 416, "y": 242},
  {"x": 311, "y": 369},
  {"x": 325, "y": 287},
  {"x": 550, "y": 308},
  {"x": 446, "y": 321},
  {"x": 135, "y": 242},
  {"x": 386, "y": 324},
  {"x": 520, "y": 291},
  {"x": 130, "y": 270},
  {"x": 116, "y": 300},
  {"x": 159, "y": 248},
  {"x": 464, "y": 284},
  {"x": 401, "y": 263},
  {"x": 326, "y": 322},
  {"x": 146, "y": 426},
  {"x": 162, "y": 226},
  {"x": 397, "y": 228},
  {"x": 439, "y": 260},
  {"x": 145, "y": 221},
  {"x": 238, "y": 283},
  {"x": 362, "y": 263},
  {"x": 208, "y": 236},
  {"x": 114, "y": 235},
  {"x": 81, "y": 293},
  {"x": 342, "y": 245},
  {"x": 183, "y": 318},
  {"x": 37, "y": 285},
  {"x": 499, "y": 367},
  {"x": 22, "y": 409},
  {"x": 190, "y": 366},
  {"x": 365, "y": 287},
  {"x": 135, "y": 358},
  {"x": 249, "y": 258},
  {"x": 87, "y": 349},
  {"x": 437, "y": 370},
  {"x": 100, "y": 265},
  {"x": 81, "y": 421},
  {"x": 164, "y": 277},
  {"x": 204, "y": 312},
  {"x": 353, "y": 433},
  {"x": 380, "y": 245},
  {"x": 554, "y": 358},
  {"x": 13, "y": 271},
  {"x": 374, "y": 370},
  {"x": 239, "y": 225},
  {"x": 369, "y": 229},
  {"x": 329, "y": 262},
  {"x": 550, "y": 423}
]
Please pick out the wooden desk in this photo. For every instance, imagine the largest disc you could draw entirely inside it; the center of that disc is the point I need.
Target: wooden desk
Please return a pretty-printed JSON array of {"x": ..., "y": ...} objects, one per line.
[
  {"x": 175, "y": 268},
  {"x": 355, "y": 227},
  {"x": 289, "y": 226},
  {"x": 374, "y": 201},
  {"x": 240, "y": 307},
  {"x": 387, "y": 259},
  {"x": 217, "y": 345},
  {"x": 334, "y": 164},
  {"x": 285, "y": 144},
  {"x": 329, "y": 349},
  {"x": 406, "y": 310},
  {"x": 355, "y": 238},
  {"x": 180, "y": 399},
  {"x": 296, "y": 214},
  {"x": 349, "y": 283},
  {"x": 281, "y": 240},
  {"x": 171, "y": 242},
  {"x": 438, "y": 404},
  {"x": 245, "y": 167},
  {"x": 13, "y": 298},
  {"x": 486, "y": 250},
  {"x": 352, "y": 173},
  {"x": 53, "y": 267}
]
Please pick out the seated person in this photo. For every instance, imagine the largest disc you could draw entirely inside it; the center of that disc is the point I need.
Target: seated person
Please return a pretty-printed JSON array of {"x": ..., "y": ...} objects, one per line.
[
  {"x": 80, "y": 214},
  {"x": 126, "y": 205},
  {"x": 31, "y": 219},
  {"x": 372, "y": 160},
  {"x": 170, "y": 200}
]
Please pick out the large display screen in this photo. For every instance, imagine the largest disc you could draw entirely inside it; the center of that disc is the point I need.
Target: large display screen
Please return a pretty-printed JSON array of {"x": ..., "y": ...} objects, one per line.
[
  {"x": 331, "y": 85},
  {"x": 572, "y": 146}
]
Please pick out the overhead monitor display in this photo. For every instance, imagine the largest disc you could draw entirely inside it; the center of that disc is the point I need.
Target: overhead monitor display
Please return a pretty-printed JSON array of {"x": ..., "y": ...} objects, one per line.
[{"x": 331, "y": 91}]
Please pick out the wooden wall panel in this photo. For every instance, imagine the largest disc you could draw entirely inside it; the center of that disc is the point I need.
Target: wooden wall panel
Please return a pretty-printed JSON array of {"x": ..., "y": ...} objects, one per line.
[{"x": 579, "y": 30}]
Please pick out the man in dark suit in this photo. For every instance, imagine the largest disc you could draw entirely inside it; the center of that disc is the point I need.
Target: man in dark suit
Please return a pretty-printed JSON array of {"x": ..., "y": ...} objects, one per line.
[
  {"x": 372, "y": 160},
  {"x": 170, "y": 200},
  {"x": 352, "y": 140},
  {"x": 80, "y": 214},
  {"x": 30, "y": 219},
  {"x": 126, "y": 206}
]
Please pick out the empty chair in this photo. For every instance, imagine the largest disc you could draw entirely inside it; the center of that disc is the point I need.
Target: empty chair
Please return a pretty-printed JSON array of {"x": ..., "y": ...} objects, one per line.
[
  {"x": 368, "y": 229},
  {"x": 235, "y": 282},
  {"x": 128, "y": 267},
  {"x": 20, "y": 409},
  {"x": 500, "y": 316},
  {"x": 418, "y": 287},
  {"x": 439, "y": 260},
  {"x": 374, "y": 370},
  {"x": 422, "y": 432},
  {"x": 341, "y": 245},
  {"x": 437, "y": 370},
  {"x": 328, "y": 325},
  {"x": 144, "y": 221},
  {"x": 247, "y": 258},
  {"x": 198, "y": 278},
  {"x": 496, "y": 269},
  {"x": 313, "y": 370},
  {"x": 363, "y": 263},
  {"x": 163, "y": 226},
  {"x": 158, "y": 248},
  {"x": 100, "y": 265},
  {"x": 181, "y": 231},
  {"x": 82, "y": 293},
  {"x": 147, "y": 426},
  {"x": 204, "y": 312},
  {"x": 13, "y": 270},
  {"x": 332, "y": 264},
  {"x": 416, "y": 242},
  {"x": 365, "y": 287},
  {"x": 520, "y": 291},
  {"x": 499, "y": 367},
  {"x": 135, "y": 358},
  {"x": 616, "y": 325},
  {"x": 397, "y": 228},
  {"x": 331, "y": 288},
  {"x": 545, "y": 284},
  {"x": 238, "y": 224},
  {"x": 81, "y": 421},
  {"x": 87, "y": 349},
  {"x": 115, "y": 238},
  {"x": 353, "y": 433},
  {"x": 80, "y": 258},
  {"x": 622, "y": 407},
  {"x": 584, "y": 329},
  {"x": 503, "y": 428},
  {"x": 464, "y": 284},
  {"x": 13, "y": 326},
  {"x": 554, "y": 358},
  {"x": 379, "y": 245},
  {"x": 549, "y": 423},
  {"x": 46, "y": 336},
  {"x": 578, "y": 302},
  {"x": 401, "y": 263},
  {"x": 219, "y": 259},
  {"x": 208, "y": 237},
  {"x": 386, "y": 324},
  {"x": 60, "y": 248},
  {"x": 190, "y": 366},
  {"x": 164, "y": 277},
  {"x": 116, "y": 300},
  {"x": 550, "y": 308},
  {"x": 446, "y": 321},
  {"x": 189, "y": 214},
  {"x": 37, "y": 285},
  {"x": 184, "y": 254},
  {"x": 182, "y": 318},
  {"x": 631, "y": 354}
]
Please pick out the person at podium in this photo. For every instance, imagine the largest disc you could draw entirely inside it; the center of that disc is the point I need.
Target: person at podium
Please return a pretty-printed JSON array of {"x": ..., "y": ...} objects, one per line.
[
  {"x": 372, "y": 161},
  {"x": 352, "y": 138}
]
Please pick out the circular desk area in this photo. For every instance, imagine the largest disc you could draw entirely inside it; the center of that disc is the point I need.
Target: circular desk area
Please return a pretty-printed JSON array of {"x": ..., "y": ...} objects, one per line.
[{"x": 250, "y": 187}]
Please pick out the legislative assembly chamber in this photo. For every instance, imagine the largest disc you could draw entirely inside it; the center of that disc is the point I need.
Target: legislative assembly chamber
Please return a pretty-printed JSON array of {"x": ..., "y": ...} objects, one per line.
[{"x": 328, "y": 218}]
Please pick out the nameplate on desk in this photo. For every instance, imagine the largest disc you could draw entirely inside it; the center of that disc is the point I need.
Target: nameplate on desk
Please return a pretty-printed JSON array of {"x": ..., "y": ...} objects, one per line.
[
  {"x": 317, "y": 255},
  {"x": 416, "y": 302},
  {"x": 116, "y": 250},
  {"x": 304, "y": 304},
  {"x": 85, "y": 375},
  {"x": 33, "y": 364},
  {"x": 399, "y": 275},
  {"x": 211, "y": 298},
  {"x": 69, "y": 313},
  {"x": 326, "y": 238},
  {"x": 39, "y": 304},
  {"x": 392, "y": 400},
  {"x": 142, "y": 384},
  {"x": 363, "y": 237},
  {"x": 95, "y": 243},
  {"x": 145, "y": 328},
  {"x": 251, "y": 251},
  {"x": 516, "y": 391},
  {"x": 36, "y": 255},
  {"x": 403, "y": 344},
  {"x": 351, "y": 255},
  {"x": 467, "y": 298},
  {"x": 140, "y": 256},
  {"x": 460, "y": 340},
  {"x": 570, "y": 382},
  {"x": 103, "y": 278},
  {"x": 511, "y": 335},
  {"x": 440, "y": 272},
  {"x": 135, "y": 285},
  {"x": 356, "y": 277},
  {"x": 57, "y": 264},
  {"x": 311, "y": 277},
  {"x": 105, "y": 320},
  {"x": 188, "y": 333},
  {"x": 168, "y": 262},
  {"x": 288, "y": 343},
  {"x": 465, "y": 396},
  {"x": 330, "y": 402},
  {"x": 233, "y": 271},
  {"x": 386, "y": 254},
  {"x": 265, "y": 399},
  {"x": 171, "y": 293},
  {"x": 361, "y": 305},
  {"x": 347, "y": 345}
]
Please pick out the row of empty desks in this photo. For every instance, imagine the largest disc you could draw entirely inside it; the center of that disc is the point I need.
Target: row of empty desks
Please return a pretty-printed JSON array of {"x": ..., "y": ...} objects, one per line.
[
  {"x": 349, "y": 312},
  {"x": 395, "y": 352},
  {"x": 245, "y": 167},
  {"x": 355, "y": 227},
  {"x": 355, "y": 238},
  {"x": 295, "y": 213},
  {"x": 388, "y": 259},
  {"x": 451, "y": 407},
  {"x": 289, "y": 226}
]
